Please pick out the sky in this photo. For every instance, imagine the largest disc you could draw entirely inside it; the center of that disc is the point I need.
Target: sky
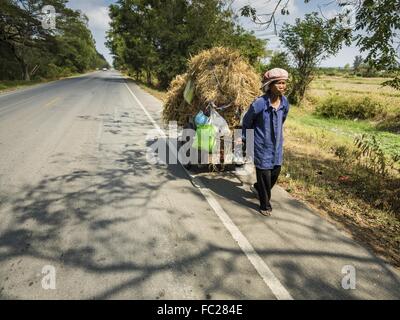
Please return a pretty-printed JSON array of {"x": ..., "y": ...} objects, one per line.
[{"x": 97, "y": 12}]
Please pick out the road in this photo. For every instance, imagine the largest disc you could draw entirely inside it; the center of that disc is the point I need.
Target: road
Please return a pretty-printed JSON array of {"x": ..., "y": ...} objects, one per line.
[{"x": 78, "y": 194}]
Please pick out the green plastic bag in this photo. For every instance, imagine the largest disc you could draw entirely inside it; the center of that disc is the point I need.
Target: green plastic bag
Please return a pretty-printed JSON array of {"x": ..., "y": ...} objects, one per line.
[
  {"x": 205, "y": 138},
  {"x": 189, "y": 92}
]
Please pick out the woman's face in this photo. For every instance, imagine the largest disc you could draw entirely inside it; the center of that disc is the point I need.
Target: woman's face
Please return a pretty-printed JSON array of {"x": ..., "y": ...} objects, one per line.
[{"x": 278, "y": 88}]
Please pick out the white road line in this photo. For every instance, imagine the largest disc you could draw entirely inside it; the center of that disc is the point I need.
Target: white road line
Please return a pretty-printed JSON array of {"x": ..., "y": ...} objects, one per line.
[
  {"x": 262, "y": 268},
  {"x": 147, "y": 113}
]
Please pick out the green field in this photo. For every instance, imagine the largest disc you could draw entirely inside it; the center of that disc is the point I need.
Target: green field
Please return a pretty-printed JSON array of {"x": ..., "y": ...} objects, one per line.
[
  {"x": 349, "y": 86},
  {"x": 346, "y": 129}
]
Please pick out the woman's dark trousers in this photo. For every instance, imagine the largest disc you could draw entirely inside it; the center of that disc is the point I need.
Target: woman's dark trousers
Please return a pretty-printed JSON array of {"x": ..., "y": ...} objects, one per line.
[{"x": 266, "y": 180}]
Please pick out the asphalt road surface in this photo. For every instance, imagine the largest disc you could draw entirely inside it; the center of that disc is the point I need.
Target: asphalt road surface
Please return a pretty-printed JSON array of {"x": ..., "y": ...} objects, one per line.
[{"x": 85, "y": 215}]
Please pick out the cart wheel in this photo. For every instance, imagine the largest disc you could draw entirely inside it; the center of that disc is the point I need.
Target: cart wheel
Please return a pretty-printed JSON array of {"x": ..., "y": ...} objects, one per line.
[
  {"x": 213, "y": 167},
  {"x": 189, "y": 125},
  {"x": 188, "y": 166}
]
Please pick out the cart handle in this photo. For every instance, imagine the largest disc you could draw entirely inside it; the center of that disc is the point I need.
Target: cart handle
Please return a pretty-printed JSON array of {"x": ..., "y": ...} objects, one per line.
[{"x": 219, "y": 108}]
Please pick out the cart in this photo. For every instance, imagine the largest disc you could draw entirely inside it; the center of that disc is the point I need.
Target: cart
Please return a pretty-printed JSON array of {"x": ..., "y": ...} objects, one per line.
[{"x": 221, "y": 159}]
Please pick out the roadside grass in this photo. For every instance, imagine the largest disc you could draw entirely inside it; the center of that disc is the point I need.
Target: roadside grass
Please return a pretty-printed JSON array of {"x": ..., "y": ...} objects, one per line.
[
  {"x": 365, "y": 204},
  {"x": 344, "y": 191},
  {"x": 6, "y": 86},
  {"x": 153, "y": 90}
]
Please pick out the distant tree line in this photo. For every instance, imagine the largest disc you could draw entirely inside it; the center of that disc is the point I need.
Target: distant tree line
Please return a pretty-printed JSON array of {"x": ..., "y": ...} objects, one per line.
[
  {"x": 29, "y": 51},
  {"x": 155, "y": 38}
]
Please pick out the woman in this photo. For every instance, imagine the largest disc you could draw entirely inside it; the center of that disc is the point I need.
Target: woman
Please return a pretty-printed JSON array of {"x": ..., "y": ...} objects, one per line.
[{"x": 266, "y": 117}]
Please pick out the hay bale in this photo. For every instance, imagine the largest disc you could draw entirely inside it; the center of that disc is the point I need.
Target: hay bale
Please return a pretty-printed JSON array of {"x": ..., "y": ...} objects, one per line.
[{"x": 220, "y": 75}]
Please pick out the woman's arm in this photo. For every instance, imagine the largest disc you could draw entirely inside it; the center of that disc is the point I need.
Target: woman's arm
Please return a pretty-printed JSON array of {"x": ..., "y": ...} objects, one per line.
[{"x": 285, "y": 112}]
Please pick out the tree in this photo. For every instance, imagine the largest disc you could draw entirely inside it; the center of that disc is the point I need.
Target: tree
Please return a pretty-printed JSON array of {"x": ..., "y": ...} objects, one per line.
[
  {"x": 381, "y": 23},
  {"x": 158, "y": 37},
  {"x": 280, "y": 60},
  {"x": 358, "y": 61},
  {"x": 140, "y": 34},
  {"x": 267, "y": 19},
  {"x": 310, "y": 41},
  {"x": 20, "y": 30},
  {"x": 76, "y": 46},
  {"x": 251, "y": 48},
  {"x": 41, "y": 52},
  {"x": 376, "y": 21},
  {"x": 380, "y": 20}
]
